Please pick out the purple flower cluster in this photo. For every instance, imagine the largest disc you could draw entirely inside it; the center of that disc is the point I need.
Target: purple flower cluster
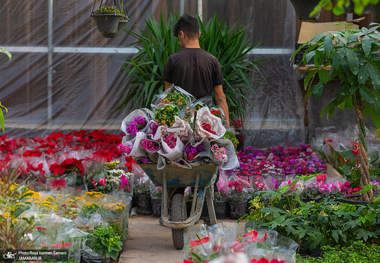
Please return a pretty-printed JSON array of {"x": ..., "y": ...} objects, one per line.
[
  {"x": 136, "y": 125},
  {"x": 193, "y": 151}
]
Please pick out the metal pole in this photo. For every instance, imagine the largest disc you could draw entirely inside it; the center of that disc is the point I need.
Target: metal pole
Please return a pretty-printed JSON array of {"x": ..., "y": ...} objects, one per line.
[
  {"x": 200, "y": 9},
  {"x": 181, "y": 7},
  {"x": 50, "y": 63}
]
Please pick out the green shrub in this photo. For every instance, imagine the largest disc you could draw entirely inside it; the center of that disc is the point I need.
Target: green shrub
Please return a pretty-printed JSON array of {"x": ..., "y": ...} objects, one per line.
[{"x": 357, "y": 252}]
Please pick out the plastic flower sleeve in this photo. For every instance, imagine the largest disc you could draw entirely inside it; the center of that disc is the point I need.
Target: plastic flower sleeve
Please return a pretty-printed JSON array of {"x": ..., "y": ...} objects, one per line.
[
  {"x": 181, "y": 163},
  {"x": 190, "y": 112},
  {"x": 204, "y": 117},
  {"x": 161, "y": 132},
  {"x": 137, "y": 150},
  {"x": 132, "y": 131},
  {"x": 181, "y": 129},
  {"x": 231, "y": 161},
  {"x": 151, "y": 147},
  {"x": 172, "y": 154},
  {"x": 173, "y": 95},
  {"x": 194, "y": 151}
]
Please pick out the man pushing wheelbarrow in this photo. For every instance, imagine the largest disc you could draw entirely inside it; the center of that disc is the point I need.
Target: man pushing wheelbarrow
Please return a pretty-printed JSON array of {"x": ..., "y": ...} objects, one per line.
[{"x": 180, "y": 142}]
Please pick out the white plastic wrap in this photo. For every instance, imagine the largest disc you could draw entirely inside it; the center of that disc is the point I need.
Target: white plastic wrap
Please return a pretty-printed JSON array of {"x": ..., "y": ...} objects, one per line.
[
  {"x": 181, "y": 129},
  {"x": 145, "y": 113},
  {"x": 172, "y": 154},
  {"x": 204, "y": 116}
]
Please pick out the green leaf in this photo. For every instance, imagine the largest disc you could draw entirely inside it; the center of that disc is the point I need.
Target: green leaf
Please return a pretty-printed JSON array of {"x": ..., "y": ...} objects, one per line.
[
  {"x": 2, "y": 50},
  {"x": 355, "y": 36},
  {"x": 337, "y": 60},
  {"x": 367, "y": 94},
  {"x": 364, "y": 73},
  {"x": 309, "y": 56},
  {"x": 353, "y": 61},
  {"x": 317, "y": 90},
  {"x": 323, "y": 75},
  {"x": 367, "y": 43},
  {"x": 328, "y": 44},
  {"x": 375, "y": 119},
  {"x": 335, "y": 235}
]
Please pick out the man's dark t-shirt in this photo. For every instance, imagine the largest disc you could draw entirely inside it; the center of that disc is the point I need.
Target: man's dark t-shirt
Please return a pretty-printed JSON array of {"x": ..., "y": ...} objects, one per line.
[{"x": 194, "y": 70}]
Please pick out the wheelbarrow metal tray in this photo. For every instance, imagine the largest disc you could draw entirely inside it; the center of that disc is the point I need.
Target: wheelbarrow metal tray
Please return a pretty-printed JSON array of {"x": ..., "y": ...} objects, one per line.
[{"x": 180, "y": 177}]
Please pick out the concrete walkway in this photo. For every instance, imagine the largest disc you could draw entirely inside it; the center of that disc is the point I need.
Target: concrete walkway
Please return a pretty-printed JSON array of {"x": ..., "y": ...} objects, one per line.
[{"x": 147, "y": 241}]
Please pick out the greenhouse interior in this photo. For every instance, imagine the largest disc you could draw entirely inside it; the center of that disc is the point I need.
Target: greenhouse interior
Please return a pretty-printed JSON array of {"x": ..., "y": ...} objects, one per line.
[{"x": 190, "y": 131}]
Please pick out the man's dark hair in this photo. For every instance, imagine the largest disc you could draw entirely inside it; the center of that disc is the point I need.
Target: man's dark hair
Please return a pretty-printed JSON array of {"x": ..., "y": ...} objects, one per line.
[{"x": 188, "y": 24}]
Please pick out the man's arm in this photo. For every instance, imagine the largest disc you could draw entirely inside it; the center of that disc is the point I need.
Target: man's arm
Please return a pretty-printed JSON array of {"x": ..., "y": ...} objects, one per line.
[
  {"x": 220, "y": 100},
  {"x": 167, "y": 85}
]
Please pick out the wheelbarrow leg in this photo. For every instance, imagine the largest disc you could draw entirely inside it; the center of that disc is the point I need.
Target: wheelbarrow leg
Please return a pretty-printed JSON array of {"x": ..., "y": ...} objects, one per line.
[{"x": 210, "y": 206}]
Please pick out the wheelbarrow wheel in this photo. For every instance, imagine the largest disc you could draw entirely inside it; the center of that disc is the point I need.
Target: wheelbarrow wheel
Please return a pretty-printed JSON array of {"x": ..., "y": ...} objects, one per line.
[{"x": 177, "y": 214}]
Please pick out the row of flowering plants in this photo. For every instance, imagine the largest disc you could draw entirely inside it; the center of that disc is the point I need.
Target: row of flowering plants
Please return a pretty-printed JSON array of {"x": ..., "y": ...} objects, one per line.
[
  {"x": 179, "y": 131},
  {"x": 73, "y": 192}
]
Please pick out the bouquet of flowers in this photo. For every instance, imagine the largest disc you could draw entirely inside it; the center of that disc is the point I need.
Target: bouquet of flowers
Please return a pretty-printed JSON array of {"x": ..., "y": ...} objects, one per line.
[{"x": 135, "y": 122}]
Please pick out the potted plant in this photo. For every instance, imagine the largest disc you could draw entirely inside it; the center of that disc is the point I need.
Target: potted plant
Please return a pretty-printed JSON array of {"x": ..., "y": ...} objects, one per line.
[
  {"x": 305, "y": 8},
  {"x": 142, "y": 195},
  {"x": 351, "y": 57},
  {"x": 238, "y": 196},
  {"x": 111, "y": 19},
  {"x": 105, "y": 242},
  {"x": 220, "y": 205}
]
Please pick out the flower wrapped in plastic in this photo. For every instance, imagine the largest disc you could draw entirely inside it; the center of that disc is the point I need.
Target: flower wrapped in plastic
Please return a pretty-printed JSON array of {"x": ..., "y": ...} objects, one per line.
[
  {"x": 239, "y": 188},
  {"x": 174, "y": 95},
  {"x": 172, "y": 147},
  {"x": 223, "y": 154},
  {"x": 192, "y": 109},
  {"x": 194, "y": 151},
  {"x": 208, "y": 126},
  {"x": 136, "y": 121},
  {"x": 181, "y": 129}
]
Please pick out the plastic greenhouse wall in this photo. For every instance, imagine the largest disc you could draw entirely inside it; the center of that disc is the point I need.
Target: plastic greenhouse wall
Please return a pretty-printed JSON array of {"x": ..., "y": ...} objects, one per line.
[{"x": 87, "y": 80}]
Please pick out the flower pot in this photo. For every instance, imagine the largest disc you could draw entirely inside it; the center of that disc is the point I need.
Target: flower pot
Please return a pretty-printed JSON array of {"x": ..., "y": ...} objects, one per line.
[
  {"x": 120, "y": 29},
  {"x": 107, "y": 23},
  {"x": 238, "y": 209},
  {"x": 143, "y": 204},
  {"x": 86, "y": 258},
  {"x": 156, "y": 206},
  {"x": 304, "y": 8},
  {"x": 221, "y": 209}
]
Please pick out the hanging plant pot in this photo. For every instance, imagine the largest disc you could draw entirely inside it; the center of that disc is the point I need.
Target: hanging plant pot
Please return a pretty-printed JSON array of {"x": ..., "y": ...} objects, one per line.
[
  {"x": 238, "y": 209},
  {"x": 110, "y": 17},
  {"x": 303, "y": 8},
  {"x": 120, "y": 30},
  {"x": 143, "y": 204},
  {"x": 107, "y": 23},
  {"x": 221, "y": 209},
  {"x": 156, "y": 206}
]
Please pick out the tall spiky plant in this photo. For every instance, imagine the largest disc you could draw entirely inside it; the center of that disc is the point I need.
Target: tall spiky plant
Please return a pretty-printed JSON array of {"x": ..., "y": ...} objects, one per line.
[{"x": 157, "y": 43}]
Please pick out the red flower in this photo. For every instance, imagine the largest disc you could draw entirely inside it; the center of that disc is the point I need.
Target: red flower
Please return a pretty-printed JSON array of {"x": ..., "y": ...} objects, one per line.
[
  {"x": 40, "y": 228},
  {"x": 356, "y": 151},
  {"x": 58, "y": 183},
  {"x": 66, "y": 245},
  {"x": 327, "y": 140},
  {"x": 195, "y": 243},
  {"x": 262, "y": 260}
]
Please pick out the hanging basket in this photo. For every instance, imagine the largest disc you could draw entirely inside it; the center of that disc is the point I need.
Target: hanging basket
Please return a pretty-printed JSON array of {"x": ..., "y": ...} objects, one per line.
[
  {"x": 120, "y": 29},
  {"x": 110, "y": 17},
  {"x": 303, "y": 8}
]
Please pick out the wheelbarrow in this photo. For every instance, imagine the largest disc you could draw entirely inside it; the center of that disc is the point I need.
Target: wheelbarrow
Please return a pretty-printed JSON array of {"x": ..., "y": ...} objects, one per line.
[{"x": 173, "y": 180}]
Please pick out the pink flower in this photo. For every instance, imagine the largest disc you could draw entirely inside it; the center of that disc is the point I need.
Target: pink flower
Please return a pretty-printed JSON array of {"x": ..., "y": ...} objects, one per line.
[{"x": 103, "y": 181}]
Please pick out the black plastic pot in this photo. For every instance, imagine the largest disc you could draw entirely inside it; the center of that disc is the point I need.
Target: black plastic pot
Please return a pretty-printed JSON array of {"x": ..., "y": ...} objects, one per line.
[
  {"x": 303, "y": 8},
  {"x": 107, "y": 23},
  {"x": 221, "y": 209},
  {"x": 120, "y": 29},
  {"x": 143, "y": 204},
  {"x": 156, "y": 206},
  {"x": 238, "y": 209},
  {"x": 85, "y": 258}
]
